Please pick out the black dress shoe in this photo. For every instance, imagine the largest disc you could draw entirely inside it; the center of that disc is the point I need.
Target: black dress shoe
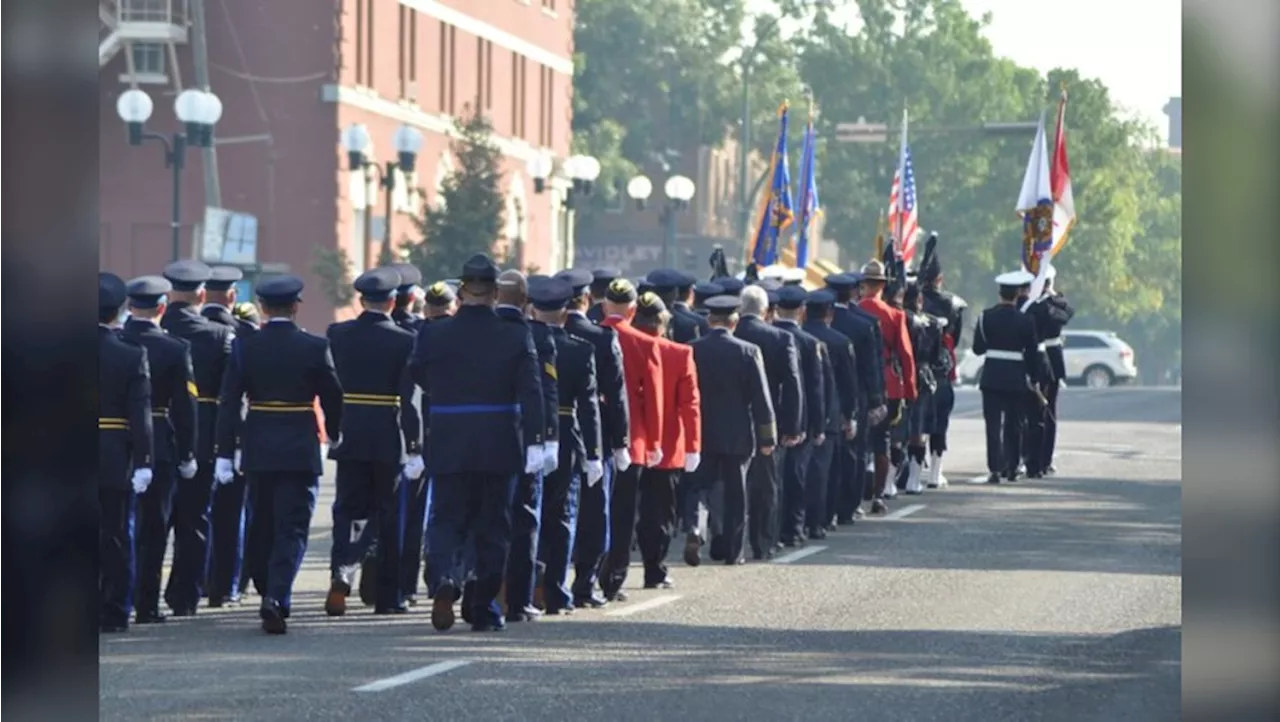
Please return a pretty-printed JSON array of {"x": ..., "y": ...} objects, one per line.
[
  {"x": 528, "y": 614},
  {"x": 692, "y": 549},
  {"x": 554, "y": 611},
  {"x": 618, "y": 596},
  {"x": 833, "y": 526},
  {"x": 489, "y": 626},
  {"x": 1050, "y": 470},
  {"x": 858, "y": 513},
  {"x": 184, "y": 611},
  {"x": 879, "y": 507},
  {"x": 993, "y": 479},
  {"x": 272, "y": 617},
  {"x": 149, "y": 618},
  {"x": 391, "y": 610},
  {"x": 411, "y": 600},
  {"x": 818, "y": 533},
  {"x": 335, "y": 602},
  {"x": 369, "y": 580},
  {"x": 591, "y": 602},
  {"x": 442, "y": 608},
  {"x": 664, "y": 583},
  {"x": 735, "y": 562}
]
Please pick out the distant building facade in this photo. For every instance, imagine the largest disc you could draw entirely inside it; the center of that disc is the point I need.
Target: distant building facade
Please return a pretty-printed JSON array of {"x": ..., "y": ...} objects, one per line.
[{"x": 1174, "y": 110}]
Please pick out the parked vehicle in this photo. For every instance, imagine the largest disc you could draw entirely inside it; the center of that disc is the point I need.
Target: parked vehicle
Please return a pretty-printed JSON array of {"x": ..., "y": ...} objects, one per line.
[{"x": 1095, "y": 359}]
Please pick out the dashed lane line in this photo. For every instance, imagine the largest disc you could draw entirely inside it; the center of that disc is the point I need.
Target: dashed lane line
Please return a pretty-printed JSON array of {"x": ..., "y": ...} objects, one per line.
[
  {"x": 798, "y": 555},
  {"x": 413, "y": 675},
  {"x": 644, "y": 606}
]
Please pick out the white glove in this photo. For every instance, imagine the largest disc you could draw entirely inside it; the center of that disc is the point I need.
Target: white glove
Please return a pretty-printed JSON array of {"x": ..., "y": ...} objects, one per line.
[
  {"x": 654, "y": 458},
  {"x": 595, "y": 471},
  {"x": 187, "y": 469},
  {"x": 691, "y": 461},
  {"x": 414, "y": 466},
  {"x": 533, "y": 459},
  {"x": 141, "y": 480},
  {"x": 622, "y": 459},
  {"x": 236, "y": 461},
  {"x": 551, "y": 456},
  {"x": 333, "y": 445},
  {"x": 223, "y": 471}
]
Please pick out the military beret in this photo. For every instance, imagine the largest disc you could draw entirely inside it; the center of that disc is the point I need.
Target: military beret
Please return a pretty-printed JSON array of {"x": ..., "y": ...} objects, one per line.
[
  {"x": 791, "y": 297},
  {"x": 666, "y": 279},
  {"x": 820, "y": 299},
  {"x": 621, "y": 291},
  {"x": 280, "y": 290},
  {"x": 577, "y": 278},
  {"x": 550, "y": 294},
  {"x": 479, "y": 268},
  {"x": 187, "y": 275},
  {"x": 409, "y": 275},
  {"x": 650, "y": 305},
  {"x": 707, "y": 289},
  {"x": 732, "y": 286},
  {"x": 378, "y": 284},
  {"x": 147, "y": 291},
  {"x": 111, "y": 290},
  {"x": 440, "y": 293},
  {"x": 723, "y": 305},
  {"x": 222, "y": 278}
]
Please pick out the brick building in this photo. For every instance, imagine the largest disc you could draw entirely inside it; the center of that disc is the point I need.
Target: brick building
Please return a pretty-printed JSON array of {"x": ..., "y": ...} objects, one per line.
[{"x": 291, "y": 76}]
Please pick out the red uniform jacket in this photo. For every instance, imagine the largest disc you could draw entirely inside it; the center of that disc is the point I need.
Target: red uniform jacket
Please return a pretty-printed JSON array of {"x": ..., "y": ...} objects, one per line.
[
  {"x": 642, "y": 371},
  {"x": 682, "y": 423},
  {"x": 899, "y": 378}
]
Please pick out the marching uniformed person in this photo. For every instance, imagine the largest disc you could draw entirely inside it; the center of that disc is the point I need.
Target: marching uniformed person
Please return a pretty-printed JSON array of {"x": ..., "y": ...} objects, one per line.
[
  {"x": 1034, "y": 402},
  {"x": 1052, "y": 312},
  {"x": 125, "y": 444},
  {"x": 173, "y": 422},
  {"x": 440, "y": 300},
  {"x": 737, "y": 424},
  {"x": 594, "y": 517},
  {"x": 408, "y": 291},
  {"x": 413, "y": 491},
  {"x": 380, "y": 435},
  {"x": 581, "y": 458},
  {"x": 600, "y": 280},
  {"x": 210, "y": 355},
  {"x": 228, "y": 514},
  {"x": 526, "y": 519},
  {"x": 927, "y": 348},
  {"x": 947, "y": 305},
  {"x": 480, "y": 374},
  {"x": 788, "y": 314},
  {"x": 684, "y": 303},
  {"x": 661, "y": 486},
  {"x": 280, "y": 371},
  {"x": 899, "y": 374},
  {"x": 782, "y": 369},
  {"x": 1007, "y": 339},
  {"x": 667, "y": 283},
  {"x": 703, "y": 290},
  {"x": 864, "y": 330},
  {"x": 840, "y": 373}
]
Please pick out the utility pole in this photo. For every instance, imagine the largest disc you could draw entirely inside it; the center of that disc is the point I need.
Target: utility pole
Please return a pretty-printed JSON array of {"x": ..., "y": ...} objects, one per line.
[{"x": 200, "y": 67}]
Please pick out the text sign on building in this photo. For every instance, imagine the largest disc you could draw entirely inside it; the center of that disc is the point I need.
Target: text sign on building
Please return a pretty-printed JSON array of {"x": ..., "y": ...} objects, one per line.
[{"x": 229, "y": 237}]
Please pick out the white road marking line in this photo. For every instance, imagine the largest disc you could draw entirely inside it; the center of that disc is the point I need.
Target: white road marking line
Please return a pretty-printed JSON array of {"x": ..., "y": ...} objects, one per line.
[
  {"x": 644, "y": 606},
  {"x": 413, "y": 675},
  {"x": 798, "y": 555},
  {"x": 904, "y": 512},
  {"x": 979, "y": 479}
]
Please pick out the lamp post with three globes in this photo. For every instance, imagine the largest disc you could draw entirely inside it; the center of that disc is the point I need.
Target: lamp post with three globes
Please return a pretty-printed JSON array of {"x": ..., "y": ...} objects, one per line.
[
  {"x": 358, "y": 144},
  {"x": 679, "y": 191}
]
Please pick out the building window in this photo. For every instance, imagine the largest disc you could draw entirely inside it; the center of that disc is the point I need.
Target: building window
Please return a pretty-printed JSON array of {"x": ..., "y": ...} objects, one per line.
[
  {"x": 448, "y": 39},
  {"x": 549, "y": 5},
  {"x": 453, "y": 47},
  {"x": 368, "y": 43},
  {"x": 488, "y": 74},
  {"x": 549, "y": 106},
  {"x": 480, "y": 57},
  {"x": 408, "y": 53},
  {"x": 360, "y": 41},
  {"x": 519, "y": 66},
  {"x": 148, "y": 59}
]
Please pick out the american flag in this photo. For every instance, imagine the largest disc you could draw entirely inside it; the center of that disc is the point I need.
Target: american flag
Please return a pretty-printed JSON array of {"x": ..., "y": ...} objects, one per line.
[{"x": 907, "y": 214}]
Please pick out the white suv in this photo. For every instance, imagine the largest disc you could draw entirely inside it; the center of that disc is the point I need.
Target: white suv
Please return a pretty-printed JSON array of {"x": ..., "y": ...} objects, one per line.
[{"x": 1096, "y": 359}]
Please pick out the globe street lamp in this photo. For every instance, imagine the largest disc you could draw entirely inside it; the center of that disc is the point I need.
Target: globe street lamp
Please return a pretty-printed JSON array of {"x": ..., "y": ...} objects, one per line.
[
  {"x": 679, "y": 191},
  {"x": 198, "y": 111},
  {"x": 582, "y": 171},
  {"x": 639, "y": 189},
  {"x": 358, "y": 144}
]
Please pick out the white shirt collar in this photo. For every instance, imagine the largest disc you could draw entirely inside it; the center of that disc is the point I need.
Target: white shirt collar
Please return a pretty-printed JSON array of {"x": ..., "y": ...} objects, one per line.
[{"x": 279, "y": 320}]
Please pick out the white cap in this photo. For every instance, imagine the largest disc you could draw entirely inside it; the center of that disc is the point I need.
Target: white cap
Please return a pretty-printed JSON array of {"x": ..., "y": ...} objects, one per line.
[
  {"x": 791, "y": 275},
  {"x": 775, "y": 271},
  {"x": 1015, "y": 278}
]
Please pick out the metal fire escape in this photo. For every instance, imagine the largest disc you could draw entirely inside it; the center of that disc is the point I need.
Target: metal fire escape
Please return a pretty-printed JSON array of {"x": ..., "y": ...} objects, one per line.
[{"x": 149, "y": 32}]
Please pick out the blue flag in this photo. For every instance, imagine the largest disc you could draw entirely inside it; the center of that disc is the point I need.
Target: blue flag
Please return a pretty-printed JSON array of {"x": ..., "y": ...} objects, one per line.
[
  {"x": 775, "y": 213},
  {"x": 809, "y": 206}
]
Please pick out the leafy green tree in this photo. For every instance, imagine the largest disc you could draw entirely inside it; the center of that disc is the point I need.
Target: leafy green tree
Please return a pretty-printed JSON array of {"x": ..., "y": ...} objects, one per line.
[
  {"x": 469, "y": 216},
  {"x": 333, "y": 267}
]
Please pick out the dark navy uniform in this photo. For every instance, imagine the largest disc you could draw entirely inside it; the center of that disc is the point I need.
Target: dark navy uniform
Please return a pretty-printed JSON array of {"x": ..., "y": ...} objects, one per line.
[
  {"x": 526, "y": 511},
  {"x": 280, "y": 371},
  {"x": 1051, "y": 313},
  {"x": 671, "y": 284},
  {"x": 701, "y": 292},
  {"x": 1007, "y": 338},
  {"x": 737, "y": 422},
  {"x": 594, "y": 518},
  {"x": 863, "y": 330},
  {"x": 842, "y": 404},
  {"x": 410, "y": 280},
  {"x": 210, "y": 354},
  {"x": 581, "y": 451},
  {"x": 600, "y": 280},
  {"x": 173, "y": 419},
  {"x": 683, "y": 291},
  {"x": 379, "y": 428},
  {"x": 229, "y": 512},
  {"x": 928, "y": 351},
  {"x": 945, "y": 305},
  {"x": 782, "y": 368},
  {"x": 125, "y": 444},
  {"x": 480, "y": 376},
  {"x": 795, "y": 462}
]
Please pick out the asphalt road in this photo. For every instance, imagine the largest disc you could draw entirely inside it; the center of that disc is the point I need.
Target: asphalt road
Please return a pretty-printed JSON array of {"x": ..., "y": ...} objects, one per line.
[{"x": 1058, "y": 599}]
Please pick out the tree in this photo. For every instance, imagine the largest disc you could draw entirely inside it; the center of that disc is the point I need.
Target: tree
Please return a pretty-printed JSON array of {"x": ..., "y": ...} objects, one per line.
[
  {"x": 469, "y": 214},
  {"x": 333, "y": 267}
]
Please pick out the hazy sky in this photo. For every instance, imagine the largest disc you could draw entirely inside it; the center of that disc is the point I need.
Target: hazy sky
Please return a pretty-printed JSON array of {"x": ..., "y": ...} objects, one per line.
[{"x": 1133, "y": 46}]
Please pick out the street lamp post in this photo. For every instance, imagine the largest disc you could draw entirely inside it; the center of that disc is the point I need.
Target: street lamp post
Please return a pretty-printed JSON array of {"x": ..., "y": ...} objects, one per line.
[
  {"x": 356, "y": 141},
  {"x": 582, "y": 171},
  {"x": 679, "y": 191},
  {"x": 198, "y": 111}
]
